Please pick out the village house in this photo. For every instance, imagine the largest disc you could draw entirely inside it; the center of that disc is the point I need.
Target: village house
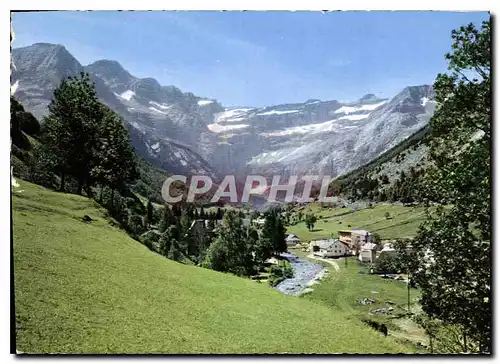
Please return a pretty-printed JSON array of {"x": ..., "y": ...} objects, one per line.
[
  {"x": 331, "y": 248},
  {"x": 355, "y": 238},
  {"x": 367, "y": 253},
  {"x": 388, "y": 249},
  {"x": 292, "y": 240}
]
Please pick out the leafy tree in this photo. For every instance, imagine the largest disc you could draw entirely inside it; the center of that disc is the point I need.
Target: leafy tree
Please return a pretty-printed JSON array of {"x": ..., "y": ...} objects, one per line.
[
  {"x": 406, "y": 261},
  {"x": 310, "y": 221},
  {"x": 167, "y": 219},
  {"x": 168, "y": 238},
  {"x": 300, "y": 215},
  {"x": 272, "y": 240},
  {"x": 230, "y": 251},
  {"x": 385, "y": 263},
  {"x": 376, "y": 238},
  {"x": 136, "y": 224},
  {"x": 211, "y": 224},
  {"x": 454, "y": 245},
  {"x": 174, "y": 253},
  {"x": 115, "y": 163},
  {"x": 22, "y": 122},
  {"x": 149, "y": 212},
  {"x": 70, "y": 131}
]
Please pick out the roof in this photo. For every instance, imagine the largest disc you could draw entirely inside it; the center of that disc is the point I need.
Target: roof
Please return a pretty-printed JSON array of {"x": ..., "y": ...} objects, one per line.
[
  {"x": 361, "y": 232},
  {"x": 325, "y": 244},
  {"x": 292, "y": 237},
  {"x": 344, "y": 243},
  {"x": 388, "y": 248},
  {"x": 369, "y": 246}
]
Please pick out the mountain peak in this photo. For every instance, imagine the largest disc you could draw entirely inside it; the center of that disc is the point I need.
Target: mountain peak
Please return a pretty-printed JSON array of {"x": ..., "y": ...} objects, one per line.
[
  {"x": 44, "y": 48},
  {"x": 45, "y": 56},
  {"x": 112, "y": 72},
  {"x": 368, "y": 98},
  {"x": 109, "y": 67}
]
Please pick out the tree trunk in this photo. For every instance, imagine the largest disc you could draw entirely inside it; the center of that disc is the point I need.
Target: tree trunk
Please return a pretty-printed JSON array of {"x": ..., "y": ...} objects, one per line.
[
  {"x": 89, "y": 191},
  {"x": 431, "y": 342},
  {"x": 63, "y": 178},
  {"x": 465, "y": 342},
  {"x": 100, "y": 195},
  {"x": 80, "y": 187},
  {"x": 409, "y": 293},
  {"x": 112, "y": 196}
]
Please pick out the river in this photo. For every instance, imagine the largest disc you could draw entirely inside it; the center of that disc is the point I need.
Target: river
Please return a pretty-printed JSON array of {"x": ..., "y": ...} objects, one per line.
[{"x": 304, "y": 271}]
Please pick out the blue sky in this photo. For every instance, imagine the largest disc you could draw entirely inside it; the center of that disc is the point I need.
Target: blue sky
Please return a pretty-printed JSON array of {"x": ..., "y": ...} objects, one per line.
[{"x": 259, "y": 58}]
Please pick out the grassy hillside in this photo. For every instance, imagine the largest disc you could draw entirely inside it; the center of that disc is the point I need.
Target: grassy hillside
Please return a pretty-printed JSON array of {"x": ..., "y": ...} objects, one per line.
[
  {"x": 404, "y": 222},
  {"x": 89, "y": 288}
]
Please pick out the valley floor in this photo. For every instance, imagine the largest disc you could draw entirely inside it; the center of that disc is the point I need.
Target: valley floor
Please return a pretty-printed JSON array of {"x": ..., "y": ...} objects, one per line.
[{"x": 89, "y": 288}]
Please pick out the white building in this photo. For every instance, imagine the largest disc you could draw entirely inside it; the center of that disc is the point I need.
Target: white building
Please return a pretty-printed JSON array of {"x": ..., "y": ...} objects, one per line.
[
  {"x": 367, "y": 253},
  {"x": 331, "y": 248},
  {"x": 388, "y": 249},
  {"x": 292, "y": 240}
]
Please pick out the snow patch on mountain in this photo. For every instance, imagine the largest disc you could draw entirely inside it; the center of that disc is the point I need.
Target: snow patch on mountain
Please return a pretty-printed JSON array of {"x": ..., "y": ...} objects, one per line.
[
  {"x": 424, "y": 100},
  {"x": 231, "y": 115},
  {"x": 158, "y": 111},
  {"x": 181, "y": 158},
  {"x": 354, "y": 117},
  {"x": 279, "y": 112},
  {"x": 14, "y": 87},
  {"x": 352, "y": 109},
  {"x": 161, "y": 106},
  {"x": 137, "y": 126},
  {"x": 127, "y": 95},
  {"x": 327, "y": 126},
  {"x": 217, "y": 128},
  {"x": 205, "y": 102},
  {"x": 155, "y": 146},
  {"x": 284, "y": 155}
]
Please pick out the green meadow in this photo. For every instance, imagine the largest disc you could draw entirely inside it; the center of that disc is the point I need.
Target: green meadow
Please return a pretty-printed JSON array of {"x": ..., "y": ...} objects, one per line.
[
  {"x": 403, "y": 221},
  {"x": 89, "y": 288}
]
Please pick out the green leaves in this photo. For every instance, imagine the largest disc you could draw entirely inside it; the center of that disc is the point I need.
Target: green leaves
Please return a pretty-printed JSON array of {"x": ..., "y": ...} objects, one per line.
[
  {"x": 85, "y": 139},
  {"x": 273, "y": 235},
  {"x": 231, "y": 250},
  {"x": 310, "y": 221},
  {"x": 453, "y": 246}
]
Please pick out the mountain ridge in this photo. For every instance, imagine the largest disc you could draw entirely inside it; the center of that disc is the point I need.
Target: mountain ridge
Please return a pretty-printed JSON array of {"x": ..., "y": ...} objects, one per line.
[{"x": 189, "y": 134}]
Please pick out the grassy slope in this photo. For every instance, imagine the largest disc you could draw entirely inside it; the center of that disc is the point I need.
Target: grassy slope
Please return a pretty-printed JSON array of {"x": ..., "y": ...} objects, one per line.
[
  {"x": 89, "y": 288},
  {"x": 404, "y": 222}
]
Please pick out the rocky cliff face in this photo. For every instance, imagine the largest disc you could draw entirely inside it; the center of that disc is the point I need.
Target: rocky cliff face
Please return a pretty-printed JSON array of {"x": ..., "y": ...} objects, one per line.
[{"x": 184, "y": 133}]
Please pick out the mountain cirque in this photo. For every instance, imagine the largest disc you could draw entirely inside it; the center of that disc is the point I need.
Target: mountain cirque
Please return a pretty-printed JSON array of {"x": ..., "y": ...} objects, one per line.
[{"x": 187, "y": 134}]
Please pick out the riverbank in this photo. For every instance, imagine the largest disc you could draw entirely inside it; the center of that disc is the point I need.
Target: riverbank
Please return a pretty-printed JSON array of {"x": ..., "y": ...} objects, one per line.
[
  {"x": 305, "y": 273},
  {"x": 329, "y": 261}
]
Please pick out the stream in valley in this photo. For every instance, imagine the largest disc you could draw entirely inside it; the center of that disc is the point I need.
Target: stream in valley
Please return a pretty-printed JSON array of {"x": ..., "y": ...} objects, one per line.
[{"x": 304, "y": 271}]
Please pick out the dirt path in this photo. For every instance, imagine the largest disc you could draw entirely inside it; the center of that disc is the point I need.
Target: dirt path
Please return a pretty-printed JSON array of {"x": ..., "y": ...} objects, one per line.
[{"x": 334, "y": 264}]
